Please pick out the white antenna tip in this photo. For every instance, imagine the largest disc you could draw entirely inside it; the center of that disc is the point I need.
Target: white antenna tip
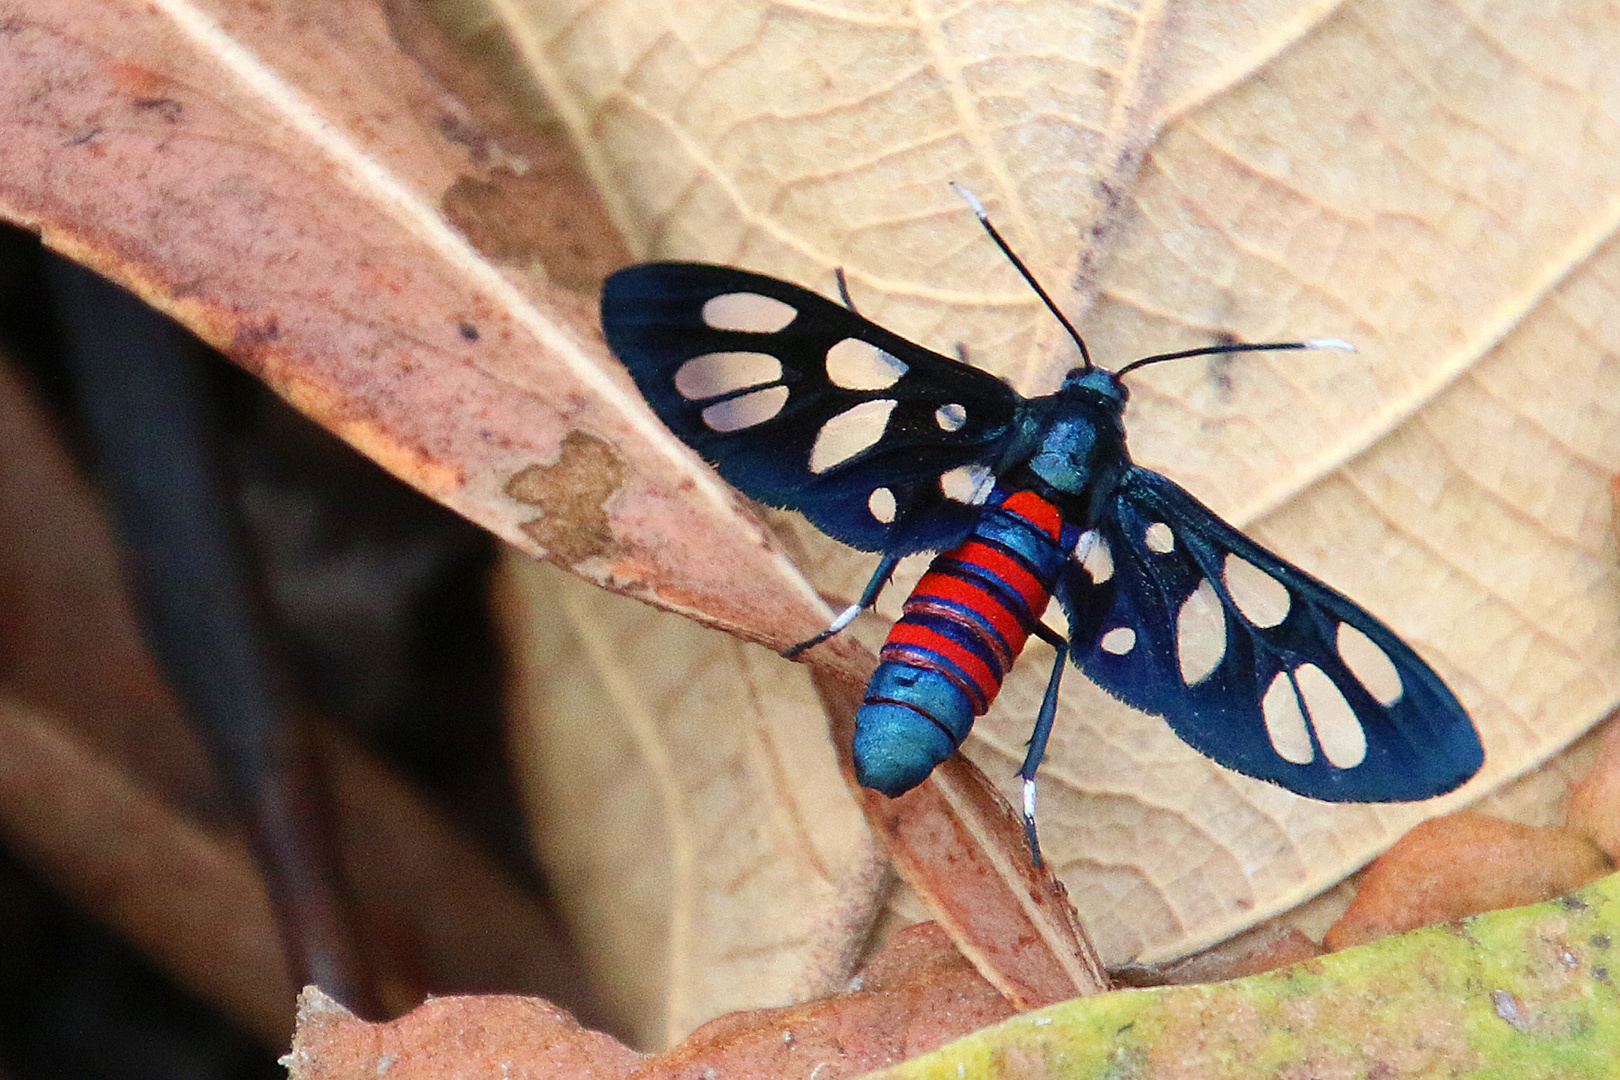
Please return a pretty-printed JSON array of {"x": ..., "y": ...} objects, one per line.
[
  {"x": 971, "y": 199},
  {"x": 1330, "y": 343}
]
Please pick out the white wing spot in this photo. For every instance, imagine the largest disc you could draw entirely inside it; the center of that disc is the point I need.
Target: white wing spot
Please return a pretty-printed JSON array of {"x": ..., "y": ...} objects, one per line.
[
  {"x": 746, "y": 411},
  {"x": 1261, "y": 598},
  {"x": 1094, "y": 557},
  {"x": 1285, "y": 724},
  {"x": 1200, "y": 634},
  {"x": 1371, "y": 666},
  {"x": 882, "y": 505},
  {"x": 858, "y": 365},
  {"x": 1159, "y": 538},
  {"x": 713, "y": 374},
  {"x": 969, "y": 484},
  {"x": 1119, "y": 641},
  {"x": 749, "y": 312},
  {"x": 950, "y": 417},
  {"x": 850, "y": 432},
  {"x": 1344, "y": 744}
]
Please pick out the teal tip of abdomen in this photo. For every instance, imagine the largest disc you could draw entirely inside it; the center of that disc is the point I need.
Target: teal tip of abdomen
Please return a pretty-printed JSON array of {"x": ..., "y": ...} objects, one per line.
[{"x": 896, "y": 747}]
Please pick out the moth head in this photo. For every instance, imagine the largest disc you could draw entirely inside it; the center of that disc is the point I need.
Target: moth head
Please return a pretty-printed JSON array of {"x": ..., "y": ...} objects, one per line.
[{"x": 1097, "y": 384}]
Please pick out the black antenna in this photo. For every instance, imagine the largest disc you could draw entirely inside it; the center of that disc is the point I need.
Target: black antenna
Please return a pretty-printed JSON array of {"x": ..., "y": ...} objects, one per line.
[
  {"x": 984, "y": 219},
  {"x": 1214, "y": 350}
]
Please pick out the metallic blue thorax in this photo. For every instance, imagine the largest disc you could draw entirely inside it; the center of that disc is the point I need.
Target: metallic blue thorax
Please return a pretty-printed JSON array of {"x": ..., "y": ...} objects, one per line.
[{"x": 1077, "y": 435}]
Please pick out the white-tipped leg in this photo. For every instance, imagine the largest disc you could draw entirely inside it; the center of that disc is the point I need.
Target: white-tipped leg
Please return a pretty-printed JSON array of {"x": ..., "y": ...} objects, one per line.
[
  {"x": 845, "y": 617},
  {"x": 1329, "y": 343},
  {"x": 869, "y": 596},
  {"x": 1029, "y": 821}
]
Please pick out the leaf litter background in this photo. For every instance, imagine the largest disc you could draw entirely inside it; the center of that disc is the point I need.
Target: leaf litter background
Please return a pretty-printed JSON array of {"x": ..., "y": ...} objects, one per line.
[{"x": 1434, "y": 182}]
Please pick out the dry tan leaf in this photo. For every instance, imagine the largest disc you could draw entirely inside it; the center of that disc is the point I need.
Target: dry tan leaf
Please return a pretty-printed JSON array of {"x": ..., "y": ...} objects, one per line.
[
  {"x": 688, "y": 807},
  {"x": 1440, "y": 189}
]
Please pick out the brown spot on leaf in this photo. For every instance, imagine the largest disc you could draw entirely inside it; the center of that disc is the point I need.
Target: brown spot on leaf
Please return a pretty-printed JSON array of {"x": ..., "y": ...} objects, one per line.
[
  {"x": 521, "y": 220},
  {"x": 572, "y": 496},
  {"x": 166, "y": 107},
  {"x": 249, "y": 334}
]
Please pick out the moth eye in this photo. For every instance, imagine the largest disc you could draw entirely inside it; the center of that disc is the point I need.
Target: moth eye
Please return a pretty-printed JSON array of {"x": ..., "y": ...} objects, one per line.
[
  {"x": 850, "y": 432},
  {"x": 1200, "y": 634},
  {"x": 969, "y": 484},
  {"x": 1343, "y": 742},
  {"x": 1371, "y": 666},
  {"x": 714, "y": 374},
  {"x": 882, "y": 505},
  {"x": 950, "y": 417},
  {"x": 748, "y": 312},
  {"x": 1095, "y": 558},
  {"x": 1261, "y": 598},
  {"x": 1159, "y": 538},
  {"x": 1119, "y": 641},
  {"x": 1285, "y": 724},
  {"x": 858, "y": 365},
  {"x": 746, "y": 411}
]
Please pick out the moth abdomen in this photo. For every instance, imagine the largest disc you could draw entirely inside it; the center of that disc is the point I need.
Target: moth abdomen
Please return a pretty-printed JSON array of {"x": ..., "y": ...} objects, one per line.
[{"x": 962, "y": 628}]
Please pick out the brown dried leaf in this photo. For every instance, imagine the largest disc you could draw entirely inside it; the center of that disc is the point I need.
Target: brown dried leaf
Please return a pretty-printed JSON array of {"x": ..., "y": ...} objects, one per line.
[
  {"x": 1252, "y": 953},
  {"x": 93, "y": 729},
  {"x": 289, "y": 185},
  {"x": 68, "y": 640},
  {"x": 190, "y": 900},
  {"x": 437, "y": 914},
  {"x": 1464, "y": 864},
  {"x": 1594, "y": 799},
  {"x": 450, "y": 1038},
  {"x": 962, "y": 848},
  {"x": 917, "y": 995}
]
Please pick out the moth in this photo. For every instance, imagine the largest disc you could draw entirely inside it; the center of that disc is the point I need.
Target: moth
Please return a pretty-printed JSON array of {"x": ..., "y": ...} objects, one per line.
[{"x": 1252, "y": 661}]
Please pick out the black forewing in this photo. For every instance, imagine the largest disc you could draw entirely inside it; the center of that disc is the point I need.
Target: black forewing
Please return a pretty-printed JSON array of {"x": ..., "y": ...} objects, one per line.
[
  {"x": 653, "y": 317},
  {"x": 1421, "y": 745}
]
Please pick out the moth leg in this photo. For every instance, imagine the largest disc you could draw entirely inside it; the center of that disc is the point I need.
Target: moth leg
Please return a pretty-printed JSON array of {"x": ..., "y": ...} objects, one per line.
[
  {"x": 869, "y": 595},
  {"x": 1043, "y": 731}
]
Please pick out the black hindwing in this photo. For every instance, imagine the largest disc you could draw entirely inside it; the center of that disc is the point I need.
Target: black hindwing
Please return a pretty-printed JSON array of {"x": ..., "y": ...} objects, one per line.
[{"x": 1357, "y": 716}]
